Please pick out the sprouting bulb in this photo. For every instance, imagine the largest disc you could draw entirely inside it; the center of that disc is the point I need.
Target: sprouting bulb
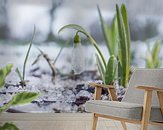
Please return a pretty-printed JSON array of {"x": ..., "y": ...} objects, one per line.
[{"x": 78, "y": 57}]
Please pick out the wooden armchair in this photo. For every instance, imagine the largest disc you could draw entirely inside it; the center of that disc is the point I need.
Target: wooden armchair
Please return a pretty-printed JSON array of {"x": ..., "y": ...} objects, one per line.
[{"x": 138, "y": 107}]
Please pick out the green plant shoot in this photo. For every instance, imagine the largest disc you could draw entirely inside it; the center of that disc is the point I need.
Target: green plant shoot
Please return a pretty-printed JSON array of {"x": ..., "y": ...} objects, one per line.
[
  {"x": 124, "y": 45},
  {"x": 110, "y": 34},
  {"x": 22, "y": 76},
  {"x": 111, "y": 69},
  {"x": 152, "y": 59},
  {"x": 27, "y": 55}
]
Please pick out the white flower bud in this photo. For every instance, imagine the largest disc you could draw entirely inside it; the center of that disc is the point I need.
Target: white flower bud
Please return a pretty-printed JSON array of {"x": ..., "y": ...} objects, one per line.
[{"x": 78, "y": 58}]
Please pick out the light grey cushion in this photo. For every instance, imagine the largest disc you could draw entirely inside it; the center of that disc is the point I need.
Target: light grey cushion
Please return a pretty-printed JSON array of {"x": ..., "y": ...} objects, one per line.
[{"x": 125, "y": 110}]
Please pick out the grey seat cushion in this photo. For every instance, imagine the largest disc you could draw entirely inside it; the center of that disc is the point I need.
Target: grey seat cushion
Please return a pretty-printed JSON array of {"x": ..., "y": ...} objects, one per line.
[{"x": 125, "y": 110}]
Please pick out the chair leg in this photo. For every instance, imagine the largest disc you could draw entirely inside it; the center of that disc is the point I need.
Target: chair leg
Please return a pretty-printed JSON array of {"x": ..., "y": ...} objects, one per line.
[
  {"x": 94, "y": 122},
  {"x": 124, "y": 125},
  {"x": 144, "y": 126},
  {"x": 146, "y": 110}
]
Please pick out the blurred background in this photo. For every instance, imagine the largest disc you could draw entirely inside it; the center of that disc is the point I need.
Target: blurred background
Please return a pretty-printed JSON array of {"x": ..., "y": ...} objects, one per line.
[{"x": 18, "y": 17}]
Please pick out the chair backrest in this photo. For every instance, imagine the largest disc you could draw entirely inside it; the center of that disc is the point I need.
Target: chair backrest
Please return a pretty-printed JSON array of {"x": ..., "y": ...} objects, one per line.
[{"x": 147, "y": 77}]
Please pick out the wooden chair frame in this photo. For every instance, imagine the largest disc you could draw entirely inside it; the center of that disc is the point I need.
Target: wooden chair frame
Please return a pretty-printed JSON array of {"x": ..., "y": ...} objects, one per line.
[{"x": 146, "y": 106}]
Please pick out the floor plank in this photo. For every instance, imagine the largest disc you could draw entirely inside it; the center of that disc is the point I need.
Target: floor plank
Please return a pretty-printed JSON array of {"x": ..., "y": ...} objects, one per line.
[{"x": 53, "y": 121}]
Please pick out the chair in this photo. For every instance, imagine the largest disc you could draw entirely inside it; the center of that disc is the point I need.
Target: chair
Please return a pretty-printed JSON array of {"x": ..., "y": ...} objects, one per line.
[{"x": 142, "y": 103}]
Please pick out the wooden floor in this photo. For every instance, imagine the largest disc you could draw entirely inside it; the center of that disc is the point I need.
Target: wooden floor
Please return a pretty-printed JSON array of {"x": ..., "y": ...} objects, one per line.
[{"x": 64, "y": 121}]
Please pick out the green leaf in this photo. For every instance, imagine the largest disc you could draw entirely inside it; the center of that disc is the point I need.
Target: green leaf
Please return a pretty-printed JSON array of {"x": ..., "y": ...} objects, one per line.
[
  {"x": 113, "y": 36},
  {"x": 83, "y": 31},
  {"x": 101, "y": 68},
  {"x": 110, "y": 34},
  {"x": 6, "y": 106},
  {"x": 110, "y": 74},
  {"x": 26, "y": 58},
  {"x": 123, "y": 48},
  {"x": 20, "y": 98},
  {"x": 149, "y": 63},
  {"x": 4, "y": 72},
  {"x": 105, "y": 31},
  {"x": 9, "y": 126},
  {"x": 156, "y": 51},
  {"x": 19, "y": 74},
  {"x": 152, "y": 59},
  {"x": 127, "y": 30},
  {"x": 24, "y": 97}
]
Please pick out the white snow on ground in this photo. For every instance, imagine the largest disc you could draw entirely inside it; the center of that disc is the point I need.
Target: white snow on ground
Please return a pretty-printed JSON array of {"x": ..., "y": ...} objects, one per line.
[{"x": 67, "y": 93}]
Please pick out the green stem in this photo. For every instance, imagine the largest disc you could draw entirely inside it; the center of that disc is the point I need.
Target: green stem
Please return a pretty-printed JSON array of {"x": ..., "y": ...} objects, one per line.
[
  {"x": 99, "y": 52},
  {"x": 83, "y": 31},
  {"x": 96, "y": 46}
]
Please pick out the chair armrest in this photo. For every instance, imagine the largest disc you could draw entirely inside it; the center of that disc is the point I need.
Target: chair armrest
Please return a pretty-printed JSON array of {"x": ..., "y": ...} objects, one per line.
[
  {"x": 150, "y": 88},
  {"x": 98, "y": 91},
  {"x": 100, "y": 85}
]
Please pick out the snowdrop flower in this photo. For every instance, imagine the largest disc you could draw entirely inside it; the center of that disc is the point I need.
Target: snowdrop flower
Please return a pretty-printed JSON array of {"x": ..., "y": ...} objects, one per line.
[{"x": 78, "y": 57}]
